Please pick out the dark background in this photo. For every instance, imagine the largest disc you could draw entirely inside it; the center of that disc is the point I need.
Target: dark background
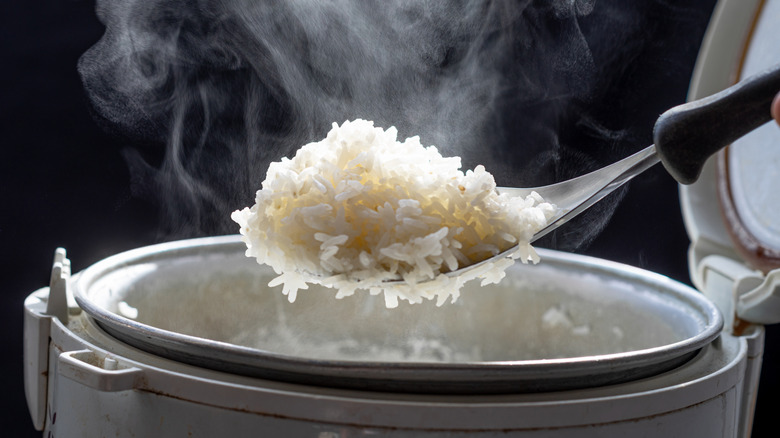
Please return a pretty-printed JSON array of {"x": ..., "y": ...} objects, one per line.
[{"x": 63, "y": 181}]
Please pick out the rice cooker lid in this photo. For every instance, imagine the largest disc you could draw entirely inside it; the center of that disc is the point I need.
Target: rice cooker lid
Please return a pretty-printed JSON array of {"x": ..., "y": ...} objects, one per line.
[{"x": 732, "y": 213}]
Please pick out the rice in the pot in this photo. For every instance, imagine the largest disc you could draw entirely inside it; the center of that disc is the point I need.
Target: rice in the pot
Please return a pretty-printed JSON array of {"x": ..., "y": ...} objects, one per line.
[{"x": 359, "y": 208}]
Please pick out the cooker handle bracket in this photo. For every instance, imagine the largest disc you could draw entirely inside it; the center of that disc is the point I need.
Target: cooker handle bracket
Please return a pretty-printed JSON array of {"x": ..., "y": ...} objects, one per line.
[{"x": 103, "y": 373}]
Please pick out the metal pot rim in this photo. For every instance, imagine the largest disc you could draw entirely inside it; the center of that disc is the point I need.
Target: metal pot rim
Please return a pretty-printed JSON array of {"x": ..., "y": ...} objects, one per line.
[{"x": 416, "y": 377}]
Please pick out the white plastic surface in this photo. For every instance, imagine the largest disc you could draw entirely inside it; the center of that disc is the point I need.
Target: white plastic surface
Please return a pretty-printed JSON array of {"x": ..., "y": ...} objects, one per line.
[
  {"x": 36, "y": 355},
  {"x": 98, "y": 372},
  {"x": 760, "y": 305},
  {"x": 754, "y": 160},
  {"x": 724, "y": 280},
  {"x": 40, "y": 308},
  {"x": 757, "y": 166},
  {"x": 164, "y": 398},
  {"x": 715, "y": 70}
]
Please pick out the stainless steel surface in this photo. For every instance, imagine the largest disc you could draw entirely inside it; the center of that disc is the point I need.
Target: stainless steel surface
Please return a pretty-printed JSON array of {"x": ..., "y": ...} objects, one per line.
[
  {"x": 569, "y": 322},
  {"x": 576, "y": 195}
]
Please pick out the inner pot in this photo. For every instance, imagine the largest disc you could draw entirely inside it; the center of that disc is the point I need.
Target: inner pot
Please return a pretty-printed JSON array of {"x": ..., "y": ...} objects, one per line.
[{"x": 568, "y": 322}]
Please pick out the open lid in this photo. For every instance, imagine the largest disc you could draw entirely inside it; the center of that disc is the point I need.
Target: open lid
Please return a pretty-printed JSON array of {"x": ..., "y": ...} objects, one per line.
[{"x": 732, "y": 213}]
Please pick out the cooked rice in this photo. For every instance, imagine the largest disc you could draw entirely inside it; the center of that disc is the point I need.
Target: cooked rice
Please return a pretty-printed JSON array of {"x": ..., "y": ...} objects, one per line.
[{"x": 359, "y": 208}]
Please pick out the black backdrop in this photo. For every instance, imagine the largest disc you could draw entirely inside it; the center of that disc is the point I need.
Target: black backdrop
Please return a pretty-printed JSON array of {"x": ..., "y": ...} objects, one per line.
[{"x": 64, "y": 183}]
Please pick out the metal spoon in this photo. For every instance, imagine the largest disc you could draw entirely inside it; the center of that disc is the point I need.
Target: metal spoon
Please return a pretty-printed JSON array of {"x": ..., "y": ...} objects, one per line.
[{"x": 685, "y": 137}]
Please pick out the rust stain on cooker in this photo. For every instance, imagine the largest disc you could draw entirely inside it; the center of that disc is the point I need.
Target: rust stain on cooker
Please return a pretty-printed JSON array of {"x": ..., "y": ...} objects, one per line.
[{"x": 740, "y": 326}]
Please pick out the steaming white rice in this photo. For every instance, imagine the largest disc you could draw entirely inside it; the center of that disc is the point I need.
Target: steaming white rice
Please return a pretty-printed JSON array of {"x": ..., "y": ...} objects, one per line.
[{"x": 359, "y": 208}]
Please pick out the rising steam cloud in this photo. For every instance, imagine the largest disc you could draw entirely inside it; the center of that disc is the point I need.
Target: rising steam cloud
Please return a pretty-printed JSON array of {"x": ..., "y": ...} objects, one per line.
[{"x": 225, "y": 87}]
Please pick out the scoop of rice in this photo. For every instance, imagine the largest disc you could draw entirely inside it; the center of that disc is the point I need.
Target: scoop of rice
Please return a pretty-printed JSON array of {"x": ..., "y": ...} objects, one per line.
[{"x": 359, "y": 208}]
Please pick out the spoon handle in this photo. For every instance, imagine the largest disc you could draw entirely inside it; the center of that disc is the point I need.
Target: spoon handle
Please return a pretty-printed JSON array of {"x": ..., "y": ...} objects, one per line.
[{"x": 686, "y": 135}]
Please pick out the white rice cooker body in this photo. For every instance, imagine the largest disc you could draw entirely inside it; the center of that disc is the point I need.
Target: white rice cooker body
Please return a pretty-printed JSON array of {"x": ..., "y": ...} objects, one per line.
[{"x": 83, "y": 382}]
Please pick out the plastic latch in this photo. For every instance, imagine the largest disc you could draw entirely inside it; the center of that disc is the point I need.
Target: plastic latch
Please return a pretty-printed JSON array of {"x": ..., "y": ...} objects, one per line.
[{"x": 742, "y": 294}]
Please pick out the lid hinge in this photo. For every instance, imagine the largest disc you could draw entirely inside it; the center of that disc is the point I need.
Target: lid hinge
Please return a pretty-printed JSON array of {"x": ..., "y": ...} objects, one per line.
[{"x": 741, "y": 294}]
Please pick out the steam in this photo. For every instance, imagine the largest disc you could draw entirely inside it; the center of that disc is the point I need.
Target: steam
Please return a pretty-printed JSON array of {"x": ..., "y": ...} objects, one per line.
[{"x": 210, "y": 92}]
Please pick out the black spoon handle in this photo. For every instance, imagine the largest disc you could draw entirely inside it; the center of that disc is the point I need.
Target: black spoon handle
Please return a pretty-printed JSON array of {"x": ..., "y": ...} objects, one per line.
[{"x": 686, "y": 135}]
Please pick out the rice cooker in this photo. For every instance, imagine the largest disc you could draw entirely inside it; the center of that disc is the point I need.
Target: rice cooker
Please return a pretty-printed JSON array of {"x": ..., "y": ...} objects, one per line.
[{"x": 186, "y": 338}]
